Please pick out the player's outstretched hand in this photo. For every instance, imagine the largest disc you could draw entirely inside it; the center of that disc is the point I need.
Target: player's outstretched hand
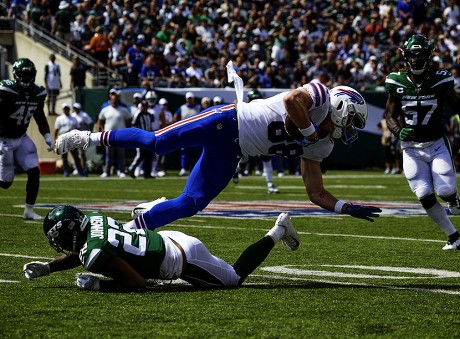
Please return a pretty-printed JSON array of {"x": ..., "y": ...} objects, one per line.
[
  {"x": 36, "y": 269},
  {"x": 363, "y": 212},
  {"x": 88, "y": 282}
]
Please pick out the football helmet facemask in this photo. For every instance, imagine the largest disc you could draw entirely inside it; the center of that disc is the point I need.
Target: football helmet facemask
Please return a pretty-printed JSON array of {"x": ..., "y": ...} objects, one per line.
[
  {"x": 348, "y": 112},
  {"x": 65, "y": 228},
  {"x": 418, "y": 53},
  {"x": 254, "y": 94},
  {"x": 24, "y": 72},
  {"x": 151, "y": 98}
]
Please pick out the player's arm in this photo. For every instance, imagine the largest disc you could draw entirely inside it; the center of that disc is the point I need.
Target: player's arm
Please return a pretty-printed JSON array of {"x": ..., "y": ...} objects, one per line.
[
  {"x": 297, "y": 103},
  {"x": 124, "y": 274},
  {"x": 37, "y": 269},
  {"x": 43, "y": 127},
  {"x": 40, "y": 119},
  {"x": 313, "y": 181},
  {"x": 393, "y": 112}
]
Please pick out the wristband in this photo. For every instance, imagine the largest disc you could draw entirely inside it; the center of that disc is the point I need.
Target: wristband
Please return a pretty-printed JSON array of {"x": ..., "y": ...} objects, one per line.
[
  {"x": 338, "y": 206},
  {"x": 306, "y": 132},
  {"x": 47, "y": 137}
]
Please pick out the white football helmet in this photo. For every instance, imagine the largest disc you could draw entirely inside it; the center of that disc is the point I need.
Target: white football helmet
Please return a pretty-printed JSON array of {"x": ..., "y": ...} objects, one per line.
[
  {"x": 151, "y": 98},
  {"x": 348, "y": 111}
]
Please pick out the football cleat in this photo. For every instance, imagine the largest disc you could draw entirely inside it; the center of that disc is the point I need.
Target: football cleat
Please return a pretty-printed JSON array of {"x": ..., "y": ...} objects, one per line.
[
  {"x": 144, "y": 207},
  {"x": 290, "y": 238},
  {"x": 452, "y": 245},
  {"x": 454, "y": 207},
  {"x": 31, "y": 215},
  {"x": 272, "y": 189},
  {"x": 71, "y": 140}
]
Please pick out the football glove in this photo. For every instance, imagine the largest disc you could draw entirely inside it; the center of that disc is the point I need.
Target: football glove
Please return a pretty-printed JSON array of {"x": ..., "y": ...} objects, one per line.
[
  {"x": 363, "y": 212},
  {"x": 407, "y": 134},
  {"x": 88, "y": 282},
  {"x": 49, "y": 141},
  {"x": 36, "y": 269}
]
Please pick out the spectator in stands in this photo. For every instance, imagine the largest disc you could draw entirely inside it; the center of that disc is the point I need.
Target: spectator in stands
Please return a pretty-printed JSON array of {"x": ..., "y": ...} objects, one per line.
[
  {"x": 149, "y": 69},
  {"x": 77, "y": 31},
  {"x": 77, "y": 74},
  {"x": 62, "y": 20},
  {"x": 193, "y": 72},
  {"x": 100, "y": 46},
  {"x": 134, "y": 57},
  {"x": 34, "y": 12},
  {"x": 52, "y": 83}
]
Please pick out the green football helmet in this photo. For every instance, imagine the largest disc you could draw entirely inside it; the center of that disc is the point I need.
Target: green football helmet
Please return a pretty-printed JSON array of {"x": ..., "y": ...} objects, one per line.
[
  {"x": 24, "y": 72},
  {"x": 417, "y": 52},
  {"x": 254, "y": 94},
  {"x": 65, "y": 228}
]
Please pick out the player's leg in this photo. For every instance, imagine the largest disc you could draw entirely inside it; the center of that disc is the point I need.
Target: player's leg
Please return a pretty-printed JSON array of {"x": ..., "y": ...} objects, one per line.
[
  {"x": 268, "y": 170},
  {"x": 444, "y": 176},
  {"x": 210, "y": 175},
  {"x": 27, "y": 158},
  {"x": 445, "y": 184},
  {"x": 203, "y": 269},
  {"x": 418, "y": 174}
]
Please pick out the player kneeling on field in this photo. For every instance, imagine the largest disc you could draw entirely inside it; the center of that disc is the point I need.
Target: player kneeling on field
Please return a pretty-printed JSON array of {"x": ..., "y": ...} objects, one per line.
[{"x": 130, "y": 256}]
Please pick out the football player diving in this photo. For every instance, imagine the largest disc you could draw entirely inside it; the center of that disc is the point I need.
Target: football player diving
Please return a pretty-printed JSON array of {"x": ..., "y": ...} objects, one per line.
[
  {"x": 230, "y": 131},
  {"x": 20, "y": 100},
  {"x": 131, "y": 256},
  {"x": 414, "y": 114}
]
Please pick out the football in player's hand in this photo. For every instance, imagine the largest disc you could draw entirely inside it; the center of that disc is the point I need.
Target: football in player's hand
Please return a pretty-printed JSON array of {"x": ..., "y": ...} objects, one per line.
[{"x": 292, "y": 130}]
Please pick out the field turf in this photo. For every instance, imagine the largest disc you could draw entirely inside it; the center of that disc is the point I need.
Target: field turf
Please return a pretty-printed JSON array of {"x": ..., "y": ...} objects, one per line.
[{"x": 349, "y": 278}]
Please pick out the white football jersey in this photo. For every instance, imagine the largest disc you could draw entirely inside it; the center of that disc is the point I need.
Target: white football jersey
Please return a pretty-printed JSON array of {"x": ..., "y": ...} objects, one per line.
[{"x": 261, "y": 125}]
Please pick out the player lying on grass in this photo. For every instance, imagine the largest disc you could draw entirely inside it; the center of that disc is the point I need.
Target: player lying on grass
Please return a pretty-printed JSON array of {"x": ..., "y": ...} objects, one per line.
[
  {"x": 131, "y": 256},
  {"x": 229, "y": 132}
]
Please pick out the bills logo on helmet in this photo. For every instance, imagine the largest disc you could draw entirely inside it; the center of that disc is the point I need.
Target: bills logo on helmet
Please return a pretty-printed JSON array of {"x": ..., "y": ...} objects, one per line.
[{"x": 354, "y": 97}]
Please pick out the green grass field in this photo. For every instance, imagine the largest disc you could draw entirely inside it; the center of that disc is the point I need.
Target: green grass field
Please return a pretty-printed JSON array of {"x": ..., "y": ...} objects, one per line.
[{"x": 349, "y": 278}]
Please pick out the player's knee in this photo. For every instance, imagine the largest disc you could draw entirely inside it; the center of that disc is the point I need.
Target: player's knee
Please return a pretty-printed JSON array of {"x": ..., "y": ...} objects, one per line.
[
  {"x": 445, "y": 191},
  {"x": 33, "y": 173},
  {"x": 5, "y": 184},
  {"x": 428, "y": 201}
]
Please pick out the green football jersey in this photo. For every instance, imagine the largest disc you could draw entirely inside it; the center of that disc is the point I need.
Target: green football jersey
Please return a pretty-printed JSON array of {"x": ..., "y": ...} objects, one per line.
[
  {"x": 143, "y": 249},
  {"x": 18, "y": 107},
  {"x": 421, "y": 104}
]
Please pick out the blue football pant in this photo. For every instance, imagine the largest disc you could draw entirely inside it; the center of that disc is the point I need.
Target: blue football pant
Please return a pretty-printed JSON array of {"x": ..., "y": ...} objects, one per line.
[{"x": 216, "y": 130}]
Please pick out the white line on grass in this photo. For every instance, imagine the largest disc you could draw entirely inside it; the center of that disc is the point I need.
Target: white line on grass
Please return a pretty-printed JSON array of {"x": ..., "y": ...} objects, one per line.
[
  {"x": 23, "y": 256},
  {"x": 391, "y": 287}
]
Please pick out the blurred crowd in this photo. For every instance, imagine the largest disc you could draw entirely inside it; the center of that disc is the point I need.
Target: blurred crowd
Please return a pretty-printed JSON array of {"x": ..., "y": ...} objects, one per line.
[{"x": 273, "y": 44}]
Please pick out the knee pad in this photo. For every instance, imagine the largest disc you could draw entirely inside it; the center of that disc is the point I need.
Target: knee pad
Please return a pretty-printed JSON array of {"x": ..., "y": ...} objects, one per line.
[
  {"x": 428, "y": 201},
  {"x": 5, "y": 184}
]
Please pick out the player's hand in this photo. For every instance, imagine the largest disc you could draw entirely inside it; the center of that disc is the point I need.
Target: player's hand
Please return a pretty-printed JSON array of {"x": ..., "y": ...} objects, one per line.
[
  {"x": 407, "y": 134},
  {"x": 36, "y": 269},
  {"x": 363, "y": 212},
  {"x": 49, "y": 141},
  {"x": 88, "y": 282}
]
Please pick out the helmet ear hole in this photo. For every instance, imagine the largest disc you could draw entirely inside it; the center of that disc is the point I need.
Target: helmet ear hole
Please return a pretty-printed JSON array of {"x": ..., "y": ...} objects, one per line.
[{"x": 340, "y": 105}]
